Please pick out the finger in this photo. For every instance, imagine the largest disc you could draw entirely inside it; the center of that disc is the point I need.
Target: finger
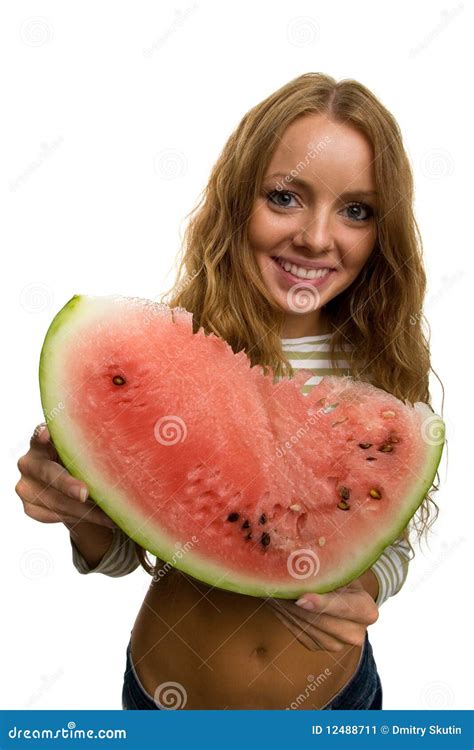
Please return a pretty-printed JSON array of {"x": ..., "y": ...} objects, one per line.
[
  {"x": 345, "y": 631},
  {"x": 315, "y": 638},
  {"x": 41, "y": 442},
  {"x": 329, "y": 642},
  {"x": 45, "y": 515},
  {"x": 40, "y": 433},
  {"x": 52, "y": 474},
  {"x": 59, "y": 505},
  {"x": 355, "y": 605},
  {"x": 300, "y": 635}
]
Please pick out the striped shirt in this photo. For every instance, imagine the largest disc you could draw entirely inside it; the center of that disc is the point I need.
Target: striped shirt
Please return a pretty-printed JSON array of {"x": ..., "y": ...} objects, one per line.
[{"x": 307, "y": 352}]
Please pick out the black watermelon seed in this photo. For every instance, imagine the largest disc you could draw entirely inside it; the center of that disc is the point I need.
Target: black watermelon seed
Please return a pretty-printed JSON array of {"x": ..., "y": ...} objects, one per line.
[
  {"x": 249, "y": 535},
  {"x": 265, "y": 539},
  {"x": 386, "y": 448},
  {"x": 246, "y": 524},
  {"x": 365, "y": 445},
  {"x": 345, "y": 492},
  {"x": 343, "y": 505},
  {"x": 370, "y": 458},
  {"x": 118, "y": 380},
  {"x": 263, "y": 518},
  {"x": 233, "y": 517}
]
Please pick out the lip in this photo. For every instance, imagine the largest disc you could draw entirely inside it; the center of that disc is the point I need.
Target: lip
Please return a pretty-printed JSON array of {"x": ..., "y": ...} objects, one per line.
[
  {"x": 309, "y": 264},
  {"x": 291, "y": 280}
]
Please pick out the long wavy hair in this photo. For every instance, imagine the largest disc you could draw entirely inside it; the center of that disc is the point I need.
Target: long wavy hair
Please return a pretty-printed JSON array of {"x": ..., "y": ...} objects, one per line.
[{"x": 379, "y": 315}]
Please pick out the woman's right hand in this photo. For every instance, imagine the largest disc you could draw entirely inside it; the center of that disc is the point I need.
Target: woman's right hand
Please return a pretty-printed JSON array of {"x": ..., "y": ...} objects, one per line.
[{"x": 48, "y": 492}]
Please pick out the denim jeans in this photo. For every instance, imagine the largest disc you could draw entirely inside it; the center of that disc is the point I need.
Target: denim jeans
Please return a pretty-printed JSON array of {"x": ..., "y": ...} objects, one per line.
[{"x": 363, "y": 691}]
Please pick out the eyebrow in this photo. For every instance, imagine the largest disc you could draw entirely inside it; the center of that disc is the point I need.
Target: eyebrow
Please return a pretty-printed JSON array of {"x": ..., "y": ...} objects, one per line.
[{"x": 298, "y": 181}]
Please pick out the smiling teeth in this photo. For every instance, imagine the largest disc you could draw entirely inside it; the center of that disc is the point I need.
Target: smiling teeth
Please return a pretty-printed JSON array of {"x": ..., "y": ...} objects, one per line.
[{"x": 303, "y": 273}]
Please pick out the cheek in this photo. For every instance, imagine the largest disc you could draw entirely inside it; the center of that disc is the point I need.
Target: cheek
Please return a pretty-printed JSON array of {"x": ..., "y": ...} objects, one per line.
[
  {"x": 265, "y": 228},
  {"x": 358, "y": 247}
]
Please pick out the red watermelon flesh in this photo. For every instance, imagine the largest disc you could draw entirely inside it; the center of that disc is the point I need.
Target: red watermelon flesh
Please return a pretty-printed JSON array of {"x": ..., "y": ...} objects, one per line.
[{"x": 239, "y": 480}]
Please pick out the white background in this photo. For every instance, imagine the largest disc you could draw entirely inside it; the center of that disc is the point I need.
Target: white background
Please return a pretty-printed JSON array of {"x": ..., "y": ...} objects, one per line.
[{"x": 113, "y": 114}]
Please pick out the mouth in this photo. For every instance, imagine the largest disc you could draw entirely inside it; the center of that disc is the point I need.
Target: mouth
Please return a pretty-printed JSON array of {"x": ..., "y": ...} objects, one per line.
[{"x": 293, "y": 273}]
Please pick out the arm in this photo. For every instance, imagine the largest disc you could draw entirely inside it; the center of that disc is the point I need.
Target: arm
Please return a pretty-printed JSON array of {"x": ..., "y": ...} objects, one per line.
[
  {"x": 391, "y": 570},
  {"x": 370, "y": 583},
  {"x": 98, "y": 550}
]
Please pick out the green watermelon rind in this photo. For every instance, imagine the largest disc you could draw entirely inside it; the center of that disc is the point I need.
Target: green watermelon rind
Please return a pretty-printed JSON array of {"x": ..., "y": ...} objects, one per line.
[{"x": 193, "y": 563}]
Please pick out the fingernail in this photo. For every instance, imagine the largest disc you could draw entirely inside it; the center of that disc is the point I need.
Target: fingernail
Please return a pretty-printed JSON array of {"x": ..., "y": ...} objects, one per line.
[
  {"x": 79, "y": 493},
  {"x": 305, "y": 604}
]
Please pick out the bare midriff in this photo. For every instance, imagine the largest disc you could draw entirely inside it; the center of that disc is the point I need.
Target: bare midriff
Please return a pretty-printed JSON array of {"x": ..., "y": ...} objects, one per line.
[{"x": 229, "y": 651}]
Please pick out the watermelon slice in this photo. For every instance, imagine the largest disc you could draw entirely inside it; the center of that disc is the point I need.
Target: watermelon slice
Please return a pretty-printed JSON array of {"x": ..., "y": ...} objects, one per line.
[{"x": 237, "y": 479}]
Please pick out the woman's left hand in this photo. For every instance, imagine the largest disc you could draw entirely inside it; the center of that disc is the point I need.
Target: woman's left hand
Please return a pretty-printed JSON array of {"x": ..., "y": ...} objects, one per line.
[{"x": 340, "y": 618}]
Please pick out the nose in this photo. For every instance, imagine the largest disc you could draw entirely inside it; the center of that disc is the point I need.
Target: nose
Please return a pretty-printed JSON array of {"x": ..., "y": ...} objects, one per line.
[{"x": 315, "y": 232}]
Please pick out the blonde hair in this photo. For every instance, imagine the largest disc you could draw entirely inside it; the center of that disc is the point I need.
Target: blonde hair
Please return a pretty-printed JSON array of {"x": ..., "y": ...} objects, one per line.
[{"x": 379, "y": 314}]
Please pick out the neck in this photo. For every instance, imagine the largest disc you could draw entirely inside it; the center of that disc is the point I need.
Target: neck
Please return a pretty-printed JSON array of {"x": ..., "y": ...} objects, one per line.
[{"x": 295, "y": 327}]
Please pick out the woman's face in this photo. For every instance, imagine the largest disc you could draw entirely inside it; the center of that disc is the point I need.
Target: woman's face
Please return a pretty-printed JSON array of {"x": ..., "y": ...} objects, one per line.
[{"x": 316, "y": 208}]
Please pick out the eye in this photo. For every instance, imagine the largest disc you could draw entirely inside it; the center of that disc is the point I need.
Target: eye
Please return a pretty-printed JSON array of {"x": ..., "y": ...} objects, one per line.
[
  {"x": 270, "y": 196},
  {"x": 354, "y": 208}
]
